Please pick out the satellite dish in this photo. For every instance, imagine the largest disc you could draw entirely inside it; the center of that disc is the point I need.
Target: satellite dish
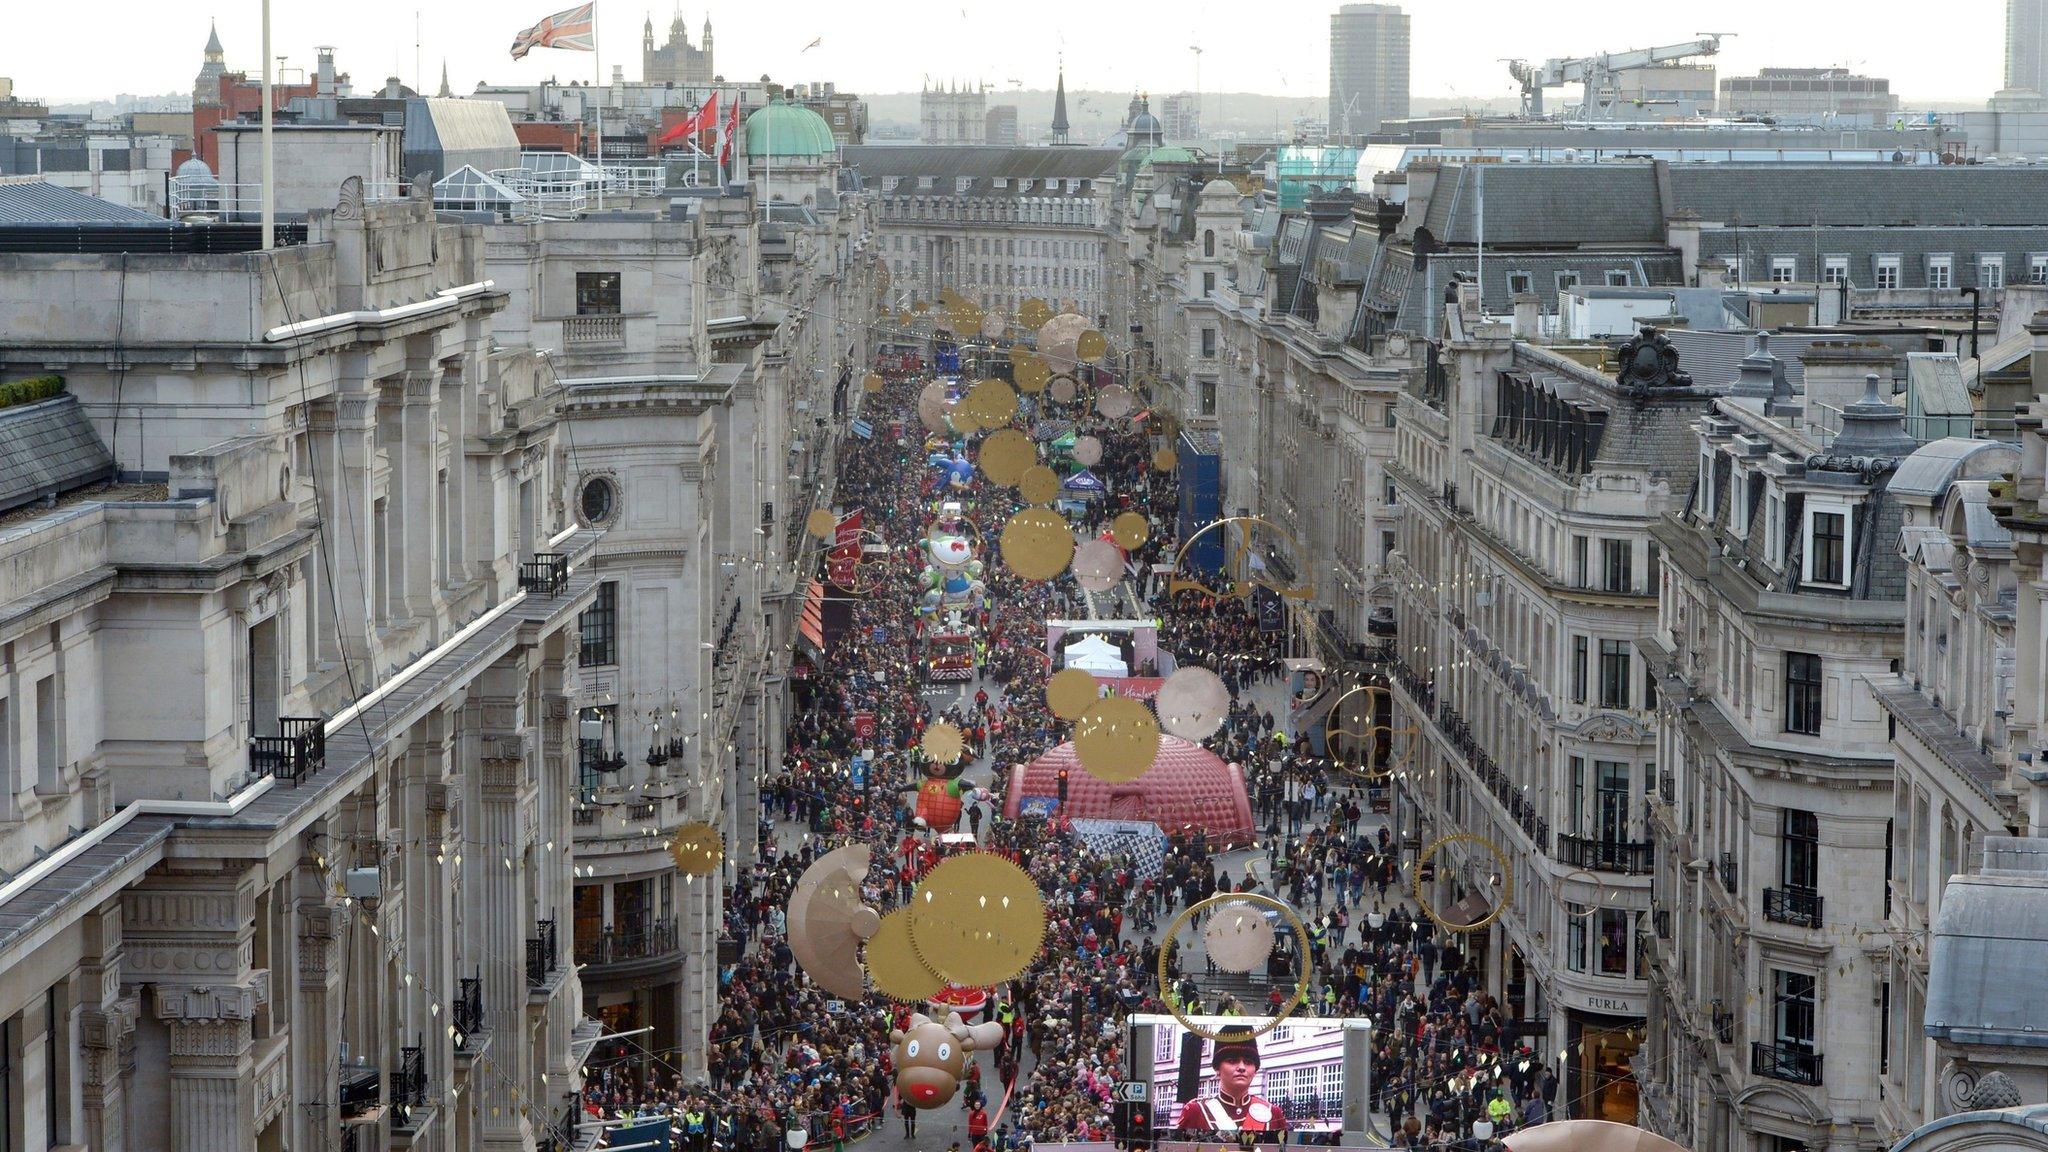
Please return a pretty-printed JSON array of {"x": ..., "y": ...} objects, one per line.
[{"x": 827, "y": 921}]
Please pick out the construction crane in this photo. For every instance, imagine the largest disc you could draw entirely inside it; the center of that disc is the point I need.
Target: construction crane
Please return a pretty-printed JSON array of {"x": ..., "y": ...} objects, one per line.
[{"x": 1599, "y": 74}]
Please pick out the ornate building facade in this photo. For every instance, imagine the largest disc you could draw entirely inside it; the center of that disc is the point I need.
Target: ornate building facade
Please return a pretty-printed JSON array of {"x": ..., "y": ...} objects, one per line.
[{"x": 676, "y": 62}]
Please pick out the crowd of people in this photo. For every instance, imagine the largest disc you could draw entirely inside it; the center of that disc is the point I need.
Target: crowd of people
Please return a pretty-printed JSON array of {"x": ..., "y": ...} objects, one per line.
[{"x": 782, "y": 1054}]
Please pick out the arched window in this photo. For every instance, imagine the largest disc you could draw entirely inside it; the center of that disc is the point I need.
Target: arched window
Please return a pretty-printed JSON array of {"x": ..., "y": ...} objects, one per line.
[{"x": 1208, "y": 241}]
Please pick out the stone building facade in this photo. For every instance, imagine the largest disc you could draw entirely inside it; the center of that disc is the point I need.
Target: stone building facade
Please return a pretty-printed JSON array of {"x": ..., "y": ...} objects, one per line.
[{"x": 677, "y": 62}]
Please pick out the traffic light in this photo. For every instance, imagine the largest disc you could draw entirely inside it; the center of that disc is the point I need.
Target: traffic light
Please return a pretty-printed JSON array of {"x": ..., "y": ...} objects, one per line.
[{"x": 1063, "y": 785}]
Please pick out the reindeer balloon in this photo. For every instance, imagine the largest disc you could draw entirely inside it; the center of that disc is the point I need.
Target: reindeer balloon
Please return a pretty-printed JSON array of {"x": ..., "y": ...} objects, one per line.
[{"x": 931, "y": 1057}]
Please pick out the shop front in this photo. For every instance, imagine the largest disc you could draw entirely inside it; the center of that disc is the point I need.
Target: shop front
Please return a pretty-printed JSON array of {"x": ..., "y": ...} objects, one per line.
[{"x": 1599, "y": 1053}]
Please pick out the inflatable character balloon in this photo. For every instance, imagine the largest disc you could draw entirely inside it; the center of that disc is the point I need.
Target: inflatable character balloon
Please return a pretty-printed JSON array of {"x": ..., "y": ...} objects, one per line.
[
  {"x": 955, "y": 470},
  {"x": 931, "y": 1058}
]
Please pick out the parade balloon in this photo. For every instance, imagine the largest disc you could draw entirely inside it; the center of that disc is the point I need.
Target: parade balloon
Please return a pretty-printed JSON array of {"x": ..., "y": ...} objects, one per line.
[{"x": 931, "y": 1058}]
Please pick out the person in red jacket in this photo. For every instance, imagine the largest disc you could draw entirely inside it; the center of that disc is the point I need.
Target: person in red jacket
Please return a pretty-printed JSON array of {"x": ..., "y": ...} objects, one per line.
[
  {"x": 1233, "y": 1107},
  {"x": 977, "y": 1124}
]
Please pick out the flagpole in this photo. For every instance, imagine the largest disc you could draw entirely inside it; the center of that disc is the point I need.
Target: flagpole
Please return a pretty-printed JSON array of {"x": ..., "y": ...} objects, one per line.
[{"x": 597, "y": 65}]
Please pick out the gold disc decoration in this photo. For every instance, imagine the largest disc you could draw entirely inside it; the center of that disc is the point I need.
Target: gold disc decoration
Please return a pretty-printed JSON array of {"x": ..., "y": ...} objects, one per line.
[
  {"x": 1070, "y": 692},
  {"x": 977, "y": 919},
  {"x": 932, "y": 408},
  {"x": 1038, "y": 485},
  {"x": 1168, "y": 944},
  {"x": 993, "y": 325},
  {"x": 1238, "y": 938},
  {"x": 872, "y": 384},
  {"x": 1115, "y": 401},
  {"x": 1098, "y": 565},
  {"x": 1063, "y": 388},
  {"x": 1192, "y": 703},
  {"x": 822, "y": 524},
  {"x": 1090, "y": 345},
  {"x": 1117, "y": 739},
  {"x": 1005, "y": 456},
  {"x": 1033, "y": 313},
  {"x": 944, "y": 742},
  {"x": 1037, "y": 544},
  {"x": 962, "y": 421},
  {"x": 965, "y": 317},
  {"x": 1130, "y": 530},
  {"x": 1165, "y": 460},
  {"x": 991, "y": 402},
  {"x": 893, "y": 966},
  {"x": 1029, "y": 371},
  {"x": 1507, "y": 883},
  {"x": 697, "y": 849}
]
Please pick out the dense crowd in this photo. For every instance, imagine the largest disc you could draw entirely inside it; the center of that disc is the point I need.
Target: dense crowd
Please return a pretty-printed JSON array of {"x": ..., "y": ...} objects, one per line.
[{"x": 783, "y": 1054}]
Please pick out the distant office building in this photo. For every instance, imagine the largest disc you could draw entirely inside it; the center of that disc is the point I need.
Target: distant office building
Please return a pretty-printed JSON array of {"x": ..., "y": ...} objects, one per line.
[
  {"x": 953, "y": 115},
  {"x": 1181, "y": 115},
  {"x": 1808, "y": 93},
  {"x": 999, "y": 127},
  {"x": 2026, "y": 44},
  {"x": 1368, "y": 67}
]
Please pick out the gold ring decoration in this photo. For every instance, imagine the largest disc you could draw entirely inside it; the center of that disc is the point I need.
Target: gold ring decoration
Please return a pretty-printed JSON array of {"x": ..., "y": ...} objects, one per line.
[
  {"x": 1333, "y": 728},
  {"x": 1063, "y": 388},
  {"x": 1591, "y": 878},
  {"x": 1306, "y": 960},
  {"x": 1241, "y": 575},
  {"x": 859, "y": 544},
  {"x": 1507, "y": 883}
]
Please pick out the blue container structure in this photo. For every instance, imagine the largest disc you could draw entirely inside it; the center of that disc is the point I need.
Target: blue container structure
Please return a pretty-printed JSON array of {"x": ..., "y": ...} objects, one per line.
[{"x": 1201, "y": 499}]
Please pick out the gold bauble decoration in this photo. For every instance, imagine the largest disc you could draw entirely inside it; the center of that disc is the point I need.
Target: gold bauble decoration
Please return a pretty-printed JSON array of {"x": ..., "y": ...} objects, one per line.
[
  {"x": 1038, "y": 485},
  {"x": 1117, "y": 739},
  {"x": 1070, "y": 692},
  {"x": 1130, "y": 530},
  {"x": 1005, "y": 456},
  {"x": 1037, "y": 544},
  {"x": 977, "y": 919}
]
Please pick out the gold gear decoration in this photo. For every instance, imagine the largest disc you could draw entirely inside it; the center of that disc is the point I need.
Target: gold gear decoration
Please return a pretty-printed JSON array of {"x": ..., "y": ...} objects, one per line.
[
  {"x": 894, "y": 968},
  {"x": 1090, "y": 345},
  {"x": 1070, "y": 692},
  {"x": 860, "y": 560},
  {"x": 1165, "y": 460},
  {"x": 1030, "y": 372},
  {"x": 944, "y": 742},
  {"x": 1507, "y": 883},
  {"x": 1117, "y": 739},
  {"x": 872, "y": 384},
  {"x": 1303, "y": 956},
  {"x": 697, "y": 848},
  {"x": 822, "y": 524},
  {"x": 1038, "y": 485},
  {"x": 1130, "y": 530},
  {"x": 992, "y": 402},
  {"x": 1033, "y": 313},
  {"x": 1005, "y": 456},
  {"x": 977, "y": 919},
  {"x": 1037, "y": 544}
]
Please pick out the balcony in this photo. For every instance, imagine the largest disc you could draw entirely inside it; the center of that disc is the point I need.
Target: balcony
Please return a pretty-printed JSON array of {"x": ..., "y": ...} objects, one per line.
[
  {"x": 628, "y": 945},
  {"x": 408, "y": 1086},
  {"x": 1667, "y": 789},
  {"x": 1731, "y": 878},
  {"x": 1724, "y": 1024},
  {"x": 641, "y": 812},
  {"x": 1660, "y": 920},
  {"x": 468, "y": 1016},
  {"x": 544, "y": 575},
  {"x": 296, "y": 752},
  {"x": 1799, "y": 907},
  {"x": 1628, "y": 857},
  {"x": 1793, "y": 1065},
  {"x": 590, "y": 333},
  {"x": 359, "y": 1087},
  {"x": 543, "y": 953}
]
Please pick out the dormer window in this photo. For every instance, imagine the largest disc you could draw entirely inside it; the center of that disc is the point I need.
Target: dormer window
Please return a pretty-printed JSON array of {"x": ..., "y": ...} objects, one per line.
[
  {"x": 1774, "y": 528},
  {"x": 1704, "y": 506},
  {"x": 1827, "y": 544},
  {"x": 1738, "y": 504}
]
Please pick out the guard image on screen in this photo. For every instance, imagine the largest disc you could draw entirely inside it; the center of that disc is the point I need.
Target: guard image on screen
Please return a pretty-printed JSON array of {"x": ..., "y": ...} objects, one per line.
[{"x": 1289, "y": 1080}]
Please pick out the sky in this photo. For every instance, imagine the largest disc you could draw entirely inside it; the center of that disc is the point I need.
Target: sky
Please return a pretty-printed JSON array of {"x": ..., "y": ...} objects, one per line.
[{"x": 65, "y": 52}]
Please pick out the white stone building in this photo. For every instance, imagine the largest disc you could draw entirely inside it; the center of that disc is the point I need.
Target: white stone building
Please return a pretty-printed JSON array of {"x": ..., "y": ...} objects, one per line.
[{"x": 286, "y": 750}]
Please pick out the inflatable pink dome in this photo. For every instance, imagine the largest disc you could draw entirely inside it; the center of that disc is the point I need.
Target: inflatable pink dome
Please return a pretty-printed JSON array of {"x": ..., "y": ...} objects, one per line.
[{"x": 1187, "y": 786}]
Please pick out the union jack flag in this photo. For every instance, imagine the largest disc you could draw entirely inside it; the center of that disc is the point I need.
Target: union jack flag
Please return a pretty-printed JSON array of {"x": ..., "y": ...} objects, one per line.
[{"x": 575, "y": 29}]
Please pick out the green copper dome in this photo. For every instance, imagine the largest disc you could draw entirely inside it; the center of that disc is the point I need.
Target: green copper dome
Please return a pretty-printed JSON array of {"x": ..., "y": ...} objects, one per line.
[
  {"x": 783, "y": 129},
  {"x": 1171, "y": 154}
]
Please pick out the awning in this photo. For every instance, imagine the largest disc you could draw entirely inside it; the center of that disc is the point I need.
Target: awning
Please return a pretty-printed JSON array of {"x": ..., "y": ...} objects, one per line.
[
  {"x": 811, "y": 625},
  {"x": 1083, "y": 481}
]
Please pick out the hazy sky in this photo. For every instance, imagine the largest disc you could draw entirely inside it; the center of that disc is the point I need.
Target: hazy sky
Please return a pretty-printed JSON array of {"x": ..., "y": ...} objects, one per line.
[{"x": 63, "y": 51}]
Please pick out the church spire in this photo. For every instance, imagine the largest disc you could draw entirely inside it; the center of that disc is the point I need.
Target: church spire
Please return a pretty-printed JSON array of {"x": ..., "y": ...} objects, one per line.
[
  {"x": 213, "y": 48},
  {"x": 445, "y": 92},
  {"x": 1059, "y": 107}
]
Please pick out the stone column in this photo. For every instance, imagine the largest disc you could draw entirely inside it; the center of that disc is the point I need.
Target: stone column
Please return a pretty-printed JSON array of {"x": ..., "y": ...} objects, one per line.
[
  {"x": 340, "y": 430},
  {"x": 106, "y": 1027},
  {"x": 502, "y": 915},
  {"x": 212, "y": 1094},
  {"x": 416, "y": 523},
  {"x": 316, "y": 1022}
]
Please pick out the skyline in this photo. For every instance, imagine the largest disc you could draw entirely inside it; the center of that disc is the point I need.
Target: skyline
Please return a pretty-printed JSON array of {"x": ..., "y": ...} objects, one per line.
[{"x": 1457, "y": 48}]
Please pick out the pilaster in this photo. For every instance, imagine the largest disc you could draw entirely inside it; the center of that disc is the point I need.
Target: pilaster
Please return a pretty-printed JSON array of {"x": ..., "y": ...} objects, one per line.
[
  {"x": 106, "y": 1033},
  {"x": 212, "y": 1090}
]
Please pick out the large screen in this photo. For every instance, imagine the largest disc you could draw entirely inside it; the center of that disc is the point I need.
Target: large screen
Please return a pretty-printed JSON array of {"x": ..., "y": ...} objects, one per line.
[{"x": 1291, "y": 1078}]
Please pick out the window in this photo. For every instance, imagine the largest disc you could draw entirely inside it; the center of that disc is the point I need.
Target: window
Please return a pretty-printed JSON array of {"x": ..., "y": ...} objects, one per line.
[
  {"x": 1388, "y": 495},
  {"x": 1617, "y": 277},
  {"x": 1581, "y": 577},
  {"x": 591, "y": 725},
  {"x": 1390, "y": 415},
  {"x": 1578, "y": 669},
  {"x": 1566, "y": 281},
  {"x": 600, "y": 625},
  {"x": 1834, "y": 270},
  {"x": 1884, "y": 1029},
  {"x": 49, "y": 735},
  {"x": 1208, "y": 397},
  {"x": 598, "y": 500},
  {"x": 1704, "y": 506},
  {"x": 1386, "y": 545},
  {"x": 1784, "y": 269},
  {"x": 1792, "y": 1008},
  {"x": 1208, "y": 343},
  {"x": 1802, "y": 693},
  {"x": 1738, "y": 503},
  {"x": 1575, "y": 937},
  {"x": 1799, "y": 850},
  {"x": 1575, "y": 819},
  {"x": 1610, "y": 818},
  {"x": 1941, "y": 271},
  {"x": 1617, "y": 565},
  {"x": 1208, "y": 242},
  {"x": 1208, "y": 283},
  {"x": 1734, "y": 268},
  {"x": 1614, "y": 670},
  {"x": 597, "y": 293},
  {"x": 1520, "y": 284},
  {"x": 2037, "y": 268},
  {"x": 1614, "y": 941},
  {"x": 1887, "y": 272},
  {"x": 1774, "y": 528},
  {"x": 1991, "y": 271},
  {"x": 1826, "y": 556}
]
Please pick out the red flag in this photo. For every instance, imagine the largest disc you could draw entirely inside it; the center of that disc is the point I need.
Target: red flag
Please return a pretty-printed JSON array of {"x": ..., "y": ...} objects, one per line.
[
  {"x": 732, "y": 129},
  {"x": 703, "y": 119}
]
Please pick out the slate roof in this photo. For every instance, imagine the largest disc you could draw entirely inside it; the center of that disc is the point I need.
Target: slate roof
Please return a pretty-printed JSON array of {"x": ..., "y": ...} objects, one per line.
[
  {"x": 47, "y": 448},
  {"x": 38, "y": 202},
  {"x": 1554, "y": 204},
  {"x": 1858, "y": 194},
  {"x": 1987, "y": 966},
  {"x": 1422, "y": 302}
]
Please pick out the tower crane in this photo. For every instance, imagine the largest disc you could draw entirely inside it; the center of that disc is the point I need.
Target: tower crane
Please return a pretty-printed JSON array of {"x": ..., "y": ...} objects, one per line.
[{"x": 1598, "y": 74}]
